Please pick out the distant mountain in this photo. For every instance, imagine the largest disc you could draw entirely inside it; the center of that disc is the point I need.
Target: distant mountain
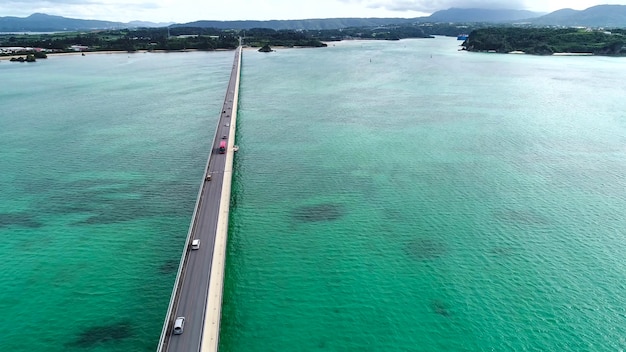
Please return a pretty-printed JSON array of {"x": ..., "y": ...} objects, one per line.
[
  {"x": 481, "y": 15},
  {"x": 558, "y": 16},
  {"x": 596, "y": 16},
  {"x": 39, "y": 22},
  {"x": 450, "y": 15},
  {"x": 312, "y": 24}
]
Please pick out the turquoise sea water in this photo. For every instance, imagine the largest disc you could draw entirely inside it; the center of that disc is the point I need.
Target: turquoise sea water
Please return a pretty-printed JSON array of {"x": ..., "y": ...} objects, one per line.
[
  {"x": 388, "y": 196},
  {"x": 101, "y": 159},
  {"x": 405, "y": 196}
]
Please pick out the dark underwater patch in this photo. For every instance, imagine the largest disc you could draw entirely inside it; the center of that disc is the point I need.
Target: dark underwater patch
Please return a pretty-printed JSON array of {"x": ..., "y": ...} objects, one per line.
[
  {"x": 170, "y": 266},
  {"x": 440, "y": 308},
  {"x": 105, "y": 219},
  {"x": 521, "y": 217},
  {"x": 501, "y": 251},
  {"x": 19, "y": 219},
  {"x": 121, "y": 213},
  {"x": 425, "y": 249},
  {"x": 103, "y": 333},
  {"x": 66, "y": 208},
  {"x": 320, "y": 212}
]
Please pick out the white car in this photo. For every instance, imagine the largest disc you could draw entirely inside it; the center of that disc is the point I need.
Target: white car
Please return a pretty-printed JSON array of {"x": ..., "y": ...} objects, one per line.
[{"x": 179, "y": 324}]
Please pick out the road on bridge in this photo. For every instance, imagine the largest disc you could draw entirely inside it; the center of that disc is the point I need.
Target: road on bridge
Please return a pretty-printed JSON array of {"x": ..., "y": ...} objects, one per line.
[{"x": 194, "y": 285}]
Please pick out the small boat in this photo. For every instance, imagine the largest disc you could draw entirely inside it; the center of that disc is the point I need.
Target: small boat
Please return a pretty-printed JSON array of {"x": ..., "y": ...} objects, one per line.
[{"x": 462, "y": 36}]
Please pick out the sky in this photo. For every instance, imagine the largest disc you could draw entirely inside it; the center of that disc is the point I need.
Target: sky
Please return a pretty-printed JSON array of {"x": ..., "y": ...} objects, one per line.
[{"x": 182, "y": 11}]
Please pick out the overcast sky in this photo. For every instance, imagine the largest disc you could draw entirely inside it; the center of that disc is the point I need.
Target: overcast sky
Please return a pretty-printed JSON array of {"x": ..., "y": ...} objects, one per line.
[{"x": 182, "y": 11}]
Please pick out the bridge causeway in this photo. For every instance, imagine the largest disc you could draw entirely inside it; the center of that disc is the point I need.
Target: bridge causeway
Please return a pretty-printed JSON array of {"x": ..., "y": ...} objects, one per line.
[{"x": 197, "y": 292}]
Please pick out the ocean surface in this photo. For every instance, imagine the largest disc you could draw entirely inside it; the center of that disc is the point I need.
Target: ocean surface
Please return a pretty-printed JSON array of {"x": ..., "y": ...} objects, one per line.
[
  {"x": 101, "y": 160},
  {"x": 387, "y": 196}
]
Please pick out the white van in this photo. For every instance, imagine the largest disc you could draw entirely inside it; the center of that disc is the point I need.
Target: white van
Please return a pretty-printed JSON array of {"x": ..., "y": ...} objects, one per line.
[
  {"x": 179, "y": 324},
  {"x": 195, "y": 244}
]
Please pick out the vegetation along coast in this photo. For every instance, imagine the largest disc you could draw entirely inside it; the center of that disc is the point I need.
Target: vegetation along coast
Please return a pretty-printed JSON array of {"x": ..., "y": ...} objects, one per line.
[{"x": 480, "y": 30}]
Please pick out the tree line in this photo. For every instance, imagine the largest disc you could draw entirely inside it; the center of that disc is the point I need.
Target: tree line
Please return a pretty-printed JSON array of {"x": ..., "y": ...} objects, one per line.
[
  {"x": 180, "y": 38},
  {"x": 546, "y": 41},
  {"x": 482, "y": 38},
  {"x": 126, "y": 40}
]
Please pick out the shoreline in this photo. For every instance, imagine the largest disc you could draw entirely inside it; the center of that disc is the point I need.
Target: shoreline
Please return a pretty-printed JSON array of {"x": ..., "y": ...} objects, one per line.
[
  {"x": 108, "y": 52},
  {"x": 9, "y": 57}
]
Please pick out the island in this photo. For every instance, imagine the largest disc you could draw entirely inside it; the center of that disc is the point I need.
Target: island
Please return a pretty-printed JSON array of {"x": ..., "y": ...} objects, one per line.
[
  {"x": 30, "y": 57},
  {"x": 482, "y": 38},
  {"x": 266, "y": 49},
  {"x": 547, "y": 41},
  {"x": 203, "y": 38}
]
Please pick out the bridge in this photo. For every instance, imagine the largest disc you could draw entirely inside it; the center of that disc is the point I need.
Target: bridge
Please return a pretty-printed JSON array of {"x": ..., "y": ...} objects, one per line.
[{"x": 197, "y": 293}]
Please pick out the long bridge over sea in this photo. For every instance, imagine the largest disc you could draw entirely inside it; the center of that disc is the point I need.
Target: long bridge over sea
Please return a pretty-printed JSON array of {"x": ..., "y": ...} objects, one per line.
[{"x": 197, "y": 293}]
